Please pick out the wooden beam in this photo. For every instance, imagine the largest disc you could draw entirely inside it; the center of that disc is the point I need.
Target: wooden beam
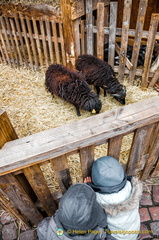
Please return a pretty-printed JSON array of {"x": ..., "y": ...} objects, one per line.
[
  {"x": 100, "y": 32},
  {"x": 114, "y": 146},
  {"x": 89, "y": 27},
  {"x": 7, "y": 132},
  {"x": 87, "y": 159},
  {"x": 55, "y": 142}
]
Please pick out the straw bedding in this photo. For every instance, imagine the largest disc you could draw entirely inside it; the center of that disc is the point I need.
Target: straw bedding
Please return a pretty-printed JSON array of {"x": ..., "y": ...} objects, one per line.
[{"x": 32, "y": 109}]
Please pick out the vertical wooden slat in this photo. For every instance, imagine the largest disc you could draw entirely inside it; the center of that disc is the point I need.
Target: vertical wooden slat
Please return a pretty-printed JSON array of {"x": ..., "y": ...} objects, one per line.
[
  {"x": 152, "y": 159},
  {"x": 44, "y": 42},
  {"x": 87, "y": 159},
  {"x": 16, "y": 40},
  {"x": 114, "y": 146},
  {"x": 37, "y": 181},
  {"x": 100, "y": 30},
  {"x": 26, "y": 40},
  {"x": 12, "y": 41},
  {"x": 155, "y": 172},
  {"x": 7, "y": 132},
  {"x": 155, "y": 78},
  {"x": 39, "y": 49},
  {"x": 62, "y": 172},
  {"x": 2, "y": 58},
  {"x": 77, "y": 36},
  {"x": 9, "y": 49},
  {"x": 32, "y": 41},
  {"x": 6, "y": 205},
  {"x": 19, "y": 198},
  {"x": 149, "y": 49},
  {"x": 138, "y": 36},
  {"x": 124, "y": 37},
  {"x": 21, "y": 38},
  {"x": 62, "y": 44},
  {"x": 89, "y": 26},
  {"x": 55, "y": 37},
  {"x": 140, "y": 146},
  {"x": 83, "y": 51},
  {"x": 68, "y": 33},
  {"x": 50, "y": 44},
  {"x": 112, "y": 32},
  {"x": 6, "y": 58}
]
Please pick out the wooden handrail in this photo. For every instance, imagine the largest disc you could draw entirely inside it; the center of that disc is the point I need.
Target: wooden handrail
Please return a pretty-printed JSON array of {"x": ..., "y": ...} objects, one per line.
[{"x": 45, "y": 145}]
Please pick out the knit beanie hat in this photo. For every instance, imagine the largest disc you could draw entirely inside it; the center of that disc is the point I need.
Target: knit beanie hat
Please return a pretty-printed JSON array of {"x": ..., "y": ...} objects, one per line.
[
  {"x": 79, "y": 210},
  {"x": 108, "y": 175}
]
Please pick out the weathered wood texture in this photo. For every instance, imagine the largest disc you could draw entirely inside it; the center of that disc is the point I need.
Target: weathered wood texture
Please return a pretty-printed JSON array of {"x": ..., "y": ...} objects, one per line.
[
  {"x": 87, "y": 159},
  {"x": 7, "y": 132},
  {"x": 49, "y": 144}
]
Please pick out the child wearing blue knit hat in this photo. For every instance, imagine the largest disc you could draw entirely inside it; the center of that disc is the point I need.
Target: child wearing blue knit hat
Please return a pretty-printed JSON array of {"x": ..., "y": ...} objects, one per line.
[{"x": 119, "y": 195}]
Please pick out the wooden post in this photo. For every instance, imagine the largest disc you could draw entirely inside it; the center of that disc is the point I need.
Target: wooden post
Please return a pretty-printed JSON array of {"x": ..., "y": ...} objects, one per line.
[
  {"x": 89, "y": 26},
  {"x": 68, "y": 33},
  {"x": 154, "y": 79},
  {"x": 100, "y": 30},
  {"x": 149, "y": 49},
  {"x": 114, "y": 146},
  {"x": 87, "y": 159},
  {"x": 7, "y": 132},
  {"x": 124, "y": 37}
]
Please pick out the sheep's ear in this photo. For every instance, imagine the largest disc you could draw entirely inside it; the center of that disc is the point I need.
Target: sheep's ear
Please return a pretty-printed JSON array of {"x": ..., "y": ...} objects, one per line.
[{"x": 93, "y": 111}]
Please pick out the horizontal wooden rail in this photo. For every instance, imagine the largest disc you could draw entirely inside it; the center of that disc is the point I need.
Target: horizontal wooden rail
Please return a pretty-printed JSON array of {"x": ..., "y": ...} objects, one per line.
[{"x": 46, "y": 145}]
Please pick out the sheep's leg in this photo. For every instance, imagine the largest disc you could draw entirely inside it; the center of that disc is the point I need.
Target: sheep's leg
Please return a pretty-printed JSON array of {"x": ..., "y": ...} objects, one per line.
[
  {"x": 105, "y": 93},
  {"x": 97, "y": 89},
  {"x": 78, "y": 111}
]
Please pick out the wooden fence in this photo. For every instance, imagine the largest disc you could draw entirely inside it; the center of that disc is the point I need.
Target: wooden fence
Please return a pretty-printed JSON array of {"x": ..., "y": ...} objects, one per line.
[
  {"x": 22, "y": 182},
  {"x": 39, "y": 37}
]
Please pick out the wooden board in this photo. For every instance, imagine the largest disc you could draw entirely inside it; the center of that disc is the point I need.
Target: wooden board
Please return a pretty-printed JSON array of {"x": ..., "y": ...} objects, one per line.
[
  {"x": 100, "y": 32},
  {"x": 87, "y": 159},
  {"x": 55, "y": 142},
  {"x": 114, "y": 146}
]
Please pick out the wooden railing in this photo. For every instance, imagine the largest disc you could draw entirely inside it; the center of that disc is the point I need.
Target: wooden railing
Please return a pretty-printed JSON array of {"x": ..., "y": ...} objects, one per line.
[{"x": 22, "y": 181}]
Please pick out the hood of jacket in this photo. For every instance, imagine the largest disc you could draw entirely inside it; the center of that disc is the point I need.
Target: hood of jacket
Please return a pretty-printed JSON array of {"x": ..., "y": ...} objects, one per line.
[{"x": 130, "y": 203}]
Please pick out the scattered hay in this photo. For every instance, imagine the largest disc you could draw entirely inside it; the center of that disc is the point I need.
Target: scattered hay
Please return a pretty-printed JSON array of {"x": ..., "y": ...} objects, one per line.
[{"x": 32, "y": 109}]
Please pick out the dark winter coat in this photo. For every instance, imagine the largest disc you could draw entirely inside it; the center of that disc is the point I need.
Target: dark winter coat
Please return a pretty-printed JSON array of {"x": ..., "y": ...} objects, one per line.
[
  {"x": 72, "y": 87},
  {"x": 101, "y": 74}
]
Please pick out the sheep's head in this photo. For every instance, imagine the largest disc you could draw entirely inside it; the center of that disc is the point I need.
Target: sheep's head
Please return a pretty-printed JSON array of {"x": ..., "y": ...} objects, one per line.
[
  {"x": 93, "y": 104},
  {"x": 119, "y": 94}
]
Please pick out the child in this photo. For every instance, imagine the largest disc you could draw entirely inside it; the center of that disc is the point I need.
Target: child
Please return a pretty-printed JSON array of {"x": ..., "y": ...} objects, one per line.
[
  {"x": 79, "y": 217},
  {"x": 119, "y": 195}
]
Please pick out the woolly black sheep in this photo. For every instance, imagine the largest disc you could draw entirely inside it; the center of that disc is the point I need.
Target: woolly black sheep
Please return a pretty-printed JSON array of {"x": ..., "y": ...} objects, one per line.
[
  {"x": 101, "y": 74},
  {"x": 72, "y": 87}
]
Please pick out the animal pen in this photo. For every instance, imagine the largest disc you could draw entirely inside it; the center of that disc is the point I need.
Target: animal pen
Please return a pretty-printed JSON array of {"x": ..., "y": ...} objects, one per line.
[{"x": 36, "y": 36}]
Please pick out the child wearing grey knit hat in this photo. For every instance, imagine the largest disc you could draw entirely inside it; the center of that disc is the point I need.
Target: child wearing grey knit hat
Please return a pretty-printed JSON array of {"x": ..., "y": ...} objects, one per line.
[{"x": 119, "y": 195}]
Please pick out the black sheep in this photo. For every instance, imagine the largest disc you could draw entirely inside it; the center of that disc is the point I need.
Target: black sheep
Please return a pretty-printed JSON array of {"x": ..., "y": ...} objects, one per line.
[
  {"x": 72, "y": 87},
  {"x": 101, "y": 74}
]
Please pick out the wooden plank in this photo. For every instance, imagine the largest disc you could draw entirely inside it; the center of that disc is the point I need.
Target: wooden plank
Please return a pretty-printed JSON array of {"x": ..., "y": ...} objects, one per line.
[
  {"x": 83, "y": 51},
  {"x": 32, "y": 42},
  {"x": 37, "y": 39},
  {"x": 7, "y": 58},
  {"x": 13, "y": 47},
  {"x": 100, "y": 30},
  {"x": 112, "y": 32},
  {"x": 139, "y": 148},
  {"x": 62, "y": 172},
  {"x": 54, "y": 30},
  {"x": 2, "y": 58},
  {"x": 138, "y": 36},
  {"x": 6, "y": 205},
  {"x": 50, "y": 44},
  {"x": 62, "y": 44},
  {"x": 155, "y": 172},
  {"x": 149, "y": 49},
  {"x": 114, "y": 146},
  {"x": 55, "y": 142},
  {"x": 9, "y": 49},
  {"x": 77, "y": 37},
  {"x": 16, "y": 40},
  {"x": 68, "y": 33},
  {"x": 19, "y": 198},
  {"x": 89, "y": 26},
  {"x": 124, "y": 37},
  {"x": 26, "y": 40},
  {"x": 154, "y": 79},
  {"x": 152, "y": 159},
  {"x": 44, "y": 42},
  {"x": 37, "y": 181},
  {"x": 7, "y": 132},
  {"x": 86, "y": 159},
  {"x": 128, "y": 63},
  {"x": 16, "y": 17}
]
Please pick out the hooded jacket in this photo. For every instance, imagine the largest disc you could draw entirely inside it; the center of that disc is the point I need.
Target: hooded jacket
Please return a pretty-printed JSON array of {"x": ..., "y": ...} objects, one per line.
[
  {"x": 79, "y": 217},
  {"x": 122, "y": 210}
]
